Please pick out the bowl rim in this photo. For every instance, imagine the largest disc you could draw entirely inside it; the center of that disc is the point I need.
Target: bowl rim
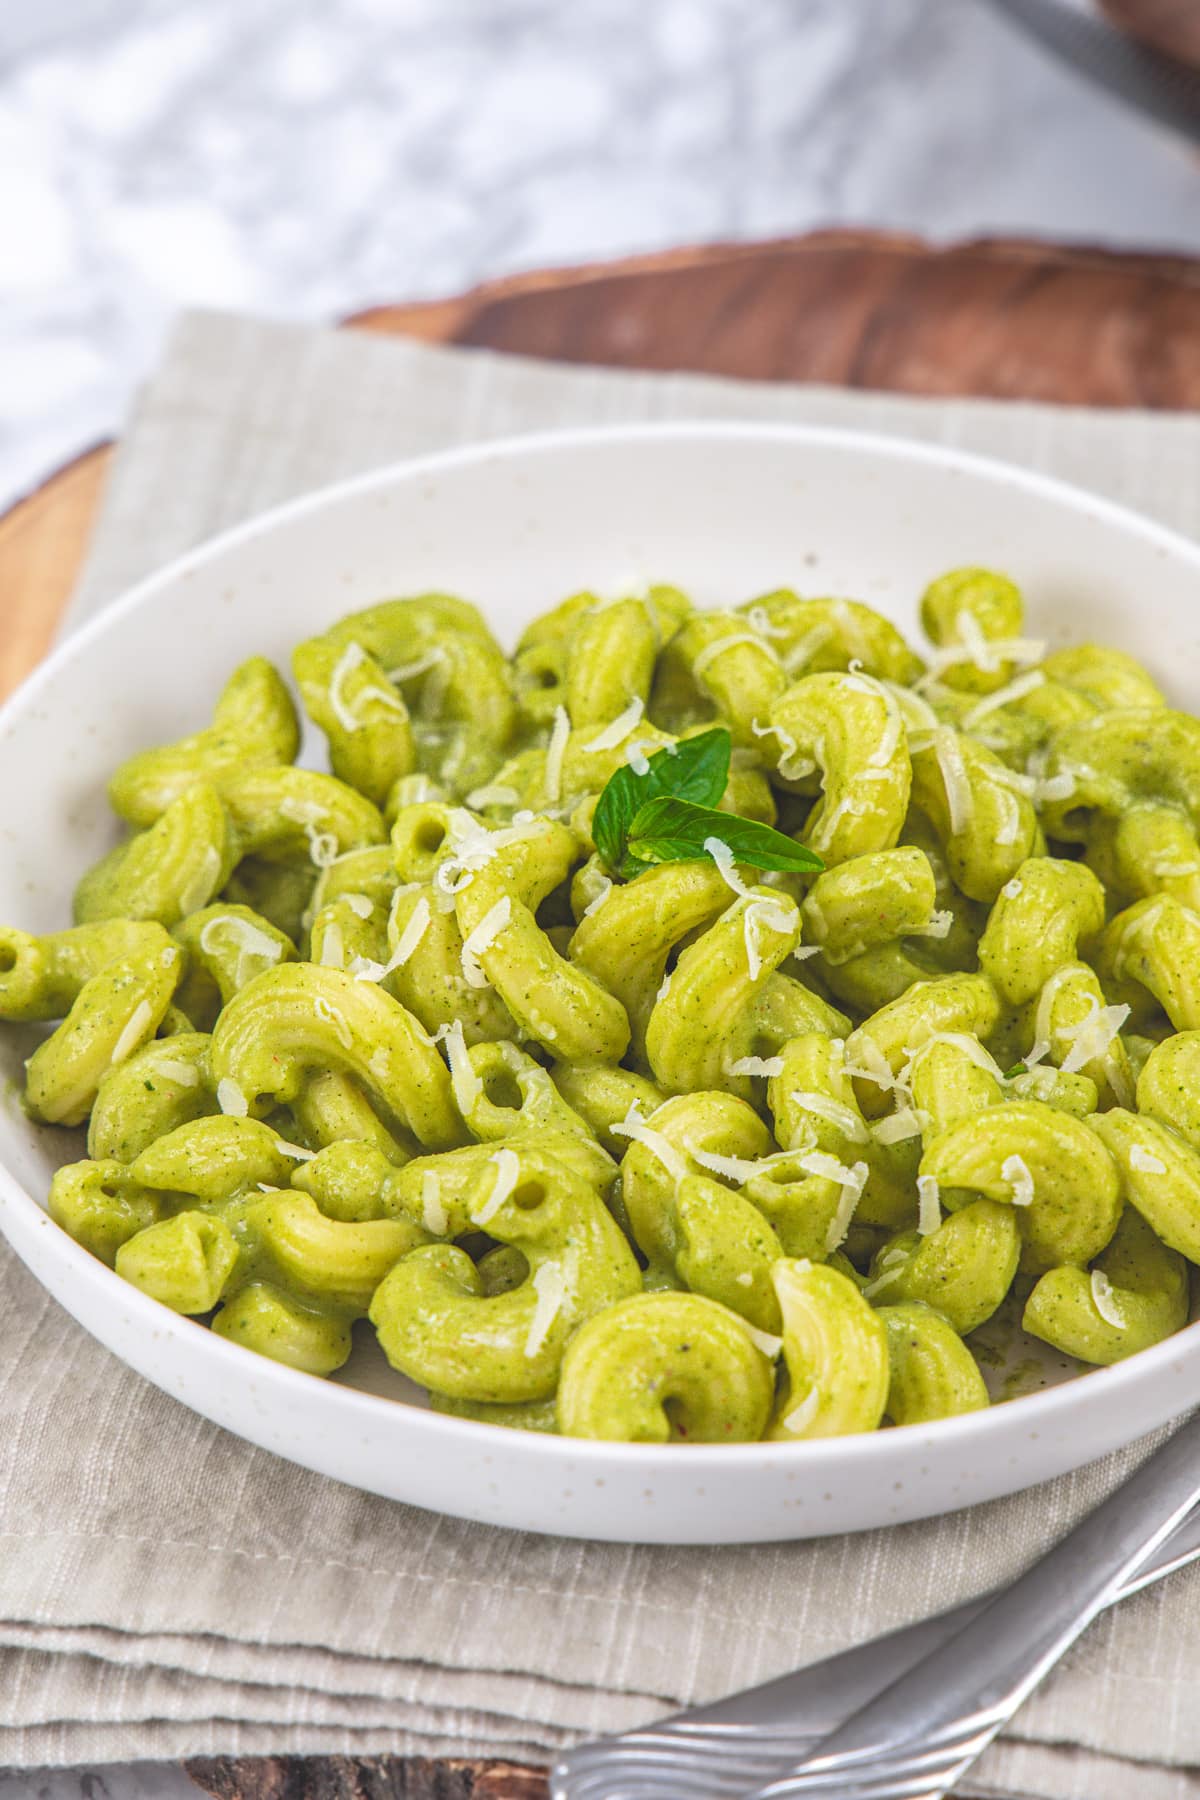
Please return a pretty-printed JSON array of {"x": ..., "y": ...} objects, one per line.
[{"x": 1098, "y": 1387}]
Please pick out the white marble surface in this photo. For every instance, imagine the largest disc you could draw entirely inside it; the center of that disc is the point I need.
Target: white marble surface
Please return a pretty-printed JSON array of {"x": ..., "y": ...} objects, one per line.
[{"x": 301, "y": 159}]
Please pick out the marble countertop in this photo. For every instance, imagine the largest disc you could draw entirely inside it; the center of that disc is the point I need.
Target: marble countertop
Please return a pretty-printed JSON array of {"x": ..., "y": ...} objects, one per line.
[{"x": 302, "y": 160}]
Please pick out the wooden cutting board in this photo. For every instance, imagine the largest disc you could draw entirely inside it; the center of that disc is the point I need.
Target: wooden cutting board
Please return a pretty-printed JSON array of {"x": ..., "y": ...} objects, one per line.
[{"x": 1003, "y": 318}]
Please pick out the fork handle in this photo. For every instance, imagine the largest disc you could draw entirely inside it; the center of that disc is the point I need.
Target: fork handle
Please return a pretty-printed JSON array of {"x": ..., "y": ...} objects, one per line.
[{"x": 915, "y": 1739}]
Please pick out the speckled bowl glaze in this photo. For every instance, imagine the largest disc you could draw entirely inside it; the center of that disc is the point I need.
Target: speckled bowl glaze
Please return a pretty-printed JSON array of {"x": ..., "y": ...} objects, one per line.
[{"x": 725, "y": 511}]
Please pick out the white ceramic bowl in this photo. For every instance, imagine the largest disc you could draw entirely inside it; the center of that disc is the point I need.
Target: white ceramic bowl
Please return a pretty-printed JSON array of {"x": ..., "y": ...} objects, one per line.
[{"x": 724, "y": 511}]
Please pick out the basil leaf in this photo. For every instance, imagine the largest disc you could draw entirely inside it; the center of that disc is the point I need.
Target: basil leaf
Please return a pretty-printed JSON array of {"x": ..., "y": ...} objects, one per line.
[
  {"x": 671, "y": 830},
  {"x": 696, "y": 769}
]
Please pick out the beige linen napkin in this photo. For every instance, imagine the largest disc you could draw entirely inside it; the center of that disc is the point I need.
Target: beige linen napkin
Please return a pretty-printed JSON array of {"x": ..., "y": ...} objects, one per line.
[{"x": 166, "y": 1590}]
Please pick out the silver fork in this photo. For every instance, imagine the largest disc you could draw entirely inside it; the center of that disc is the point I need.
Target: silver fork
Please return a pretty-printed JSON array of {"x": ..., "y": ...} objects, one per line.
[{"x": 743, "y": 1747}]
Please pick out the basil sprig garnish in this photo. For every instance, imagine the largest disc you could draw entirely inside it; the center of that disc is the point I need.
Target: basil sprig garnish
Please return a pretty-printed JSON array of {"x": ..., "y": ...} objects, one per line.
[{"x": 666, "y": 813}]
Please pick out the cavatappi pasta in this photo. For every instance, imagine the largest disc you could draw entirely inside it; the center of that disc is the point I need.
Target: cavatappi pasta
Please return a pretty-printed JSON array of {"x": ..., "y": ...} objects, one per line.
[{"x": 702, "y": 1155}]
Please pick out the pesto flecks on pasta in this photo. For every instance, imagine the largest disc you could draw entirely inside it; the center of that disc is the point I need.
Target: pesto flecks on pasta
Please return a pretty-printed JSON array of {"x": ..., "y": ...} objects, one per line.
[{"x": 696, "y": 1027}]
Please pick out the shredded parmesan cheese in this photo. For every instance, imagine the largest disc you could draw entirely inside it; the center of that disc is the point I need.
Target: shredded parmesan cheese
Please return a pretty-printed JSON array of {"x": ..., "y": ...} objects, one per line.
[
  {"x": 1106, "y": 1306},
  {"x": 420, "y": 665},
  {"x": 249, "y": 939},
  {"x": 615, "y": 733},
  {"x": 793, "y": 764},
  {"x": 463, "y": 1079},
  {"x": 898, "y": 1127},
  {"x": 1145, "y": 1162},
  {"x": 407, "y": 942},
  {"x": 969, "y": 1046},
  {"x": 359, "y": 905},
  {"x": 350, "y": 659},
  {"x": 710, "y": 652},
  {"x": 1055, "y": 787},
  {"x": 834, "y": 1112},
  {"x": 296, "y": 1151},
  {"x": 722, "y": 855},
  {"x": 333, "y": 947},
  {"x": 801, "y": 1417},
  {"x": 637, "y": 759},
  {"x": 472, "y": 847},
  {"x": 560, "y": 731},
  {"x": 322, "y": 846},
  {"x": 1094, "y": 1037},
  {"x": 938, "y": 926},
  {"x": 737, "y": 1169},
  {"x": 634, "y": 1126},
  {"x": 768, "y": 1066},
  {"x": 333, "y": 1017},
  {"x": 492, "y": 794},
  {"x": 929, "y": 1205},
  {"x": 482, "y": 938},
  {"x": 959, "y": 801},
  {"x": 603, "y": 890},
  {"x": 760, "y": 621},
  {"x": 551, "y": 1289},
  {"x": 853, "y": 1181},
  {"x": 184, "y": 1074},
  {"x": 1005, "y": 696},
  {"x": 1008, "y": 832},
  {"x": 987, "y": 654},
  {"x": 763, "y": 1340},
  {"x": 433, "y": 1211},
  {"x": 133, "y": 1032},
  {"x": 199, "y": 889},
  {"x": 1012, "y": 890},
  {"x": 508, "y": 1171},
  {"x": 805, "y": 648},
  {"x": 873, "y": 1065},
  {"x": 1015, "y": 1170},
  {"x": 231, "y": 1099},
  {"x": 762, "y": 915}
]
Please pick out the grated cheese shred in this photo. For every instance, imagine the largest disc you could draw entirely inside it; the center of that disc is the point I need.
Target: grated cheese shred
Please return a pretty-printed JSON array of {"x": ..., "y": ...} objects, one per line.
[
  {"x": 1006, "y": 696},
  {"x": 1015, "y": 1170},
  {"x": 801, "y": 1417},
  {"x": 481, "y": 939},
  {"x": 929, "y": 1205},
  {"x": 433, "y": 1211},
  {"x": 764, "y": 1341},
  {"x": 556, "y": 749},
  {"x": 231, "y": 1099},
  {"x": 853, "y": 1181},
  {"x": 615, "y": 733},
  {"x": 182, "y": 1073},
  {"x": 634, "y": 1126},
  {"x": 1106, "y": 1305},
  {"x": 834, "y": 1112},
  {"x": 551, "y": 1289},
  {"x": 463, "y": 1079},
  {"x": 133, "y": 1032},
  {"x": 508, "y": 1171},
  {"x": 959, "y": 800},
  {"x": 768, "y": 1066}
]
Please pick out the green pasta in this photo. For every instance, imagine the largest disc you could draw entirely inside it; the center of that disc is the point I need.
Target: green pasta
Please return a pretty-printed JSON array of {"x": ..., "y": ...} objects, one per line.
[{"x": 695, "y": 1027}]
